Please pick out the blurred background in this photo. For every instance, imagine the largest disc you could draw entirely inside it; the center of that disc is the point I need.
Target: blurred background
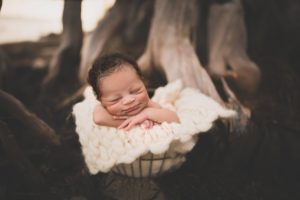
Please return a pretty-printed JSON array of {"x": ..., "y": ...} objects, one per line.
[
  {"x": 29, "y": 20},
  {"x": 259, "y": 163}
]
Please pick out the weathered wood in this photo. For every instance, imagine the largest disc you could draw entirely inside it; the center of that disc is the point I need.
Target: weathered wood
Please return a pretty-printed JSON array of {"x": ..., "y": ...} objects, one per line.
[
  {"x": 13, "y": 108},
  {"x": 238, "y": 124},
  {"x": 3, "y": 66},
  {"x": 66, "y": 60},
  {"x": 69, "y": 101},
  {"x": 227, "y": 45},
  {"x": 17, "y": 157},
  {"x": 95, "y": 42},
  {"x": 126, "y": 20},
  {"x": 170, "y": 50}
]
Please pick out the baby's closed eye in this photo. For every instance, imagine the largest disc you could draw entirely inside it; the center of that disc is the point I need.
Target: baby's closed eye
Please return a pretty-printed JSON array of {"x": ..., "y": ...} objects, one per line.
[
  {"x": 114, "y": 100},
  {"x": 136, "y": 91}
]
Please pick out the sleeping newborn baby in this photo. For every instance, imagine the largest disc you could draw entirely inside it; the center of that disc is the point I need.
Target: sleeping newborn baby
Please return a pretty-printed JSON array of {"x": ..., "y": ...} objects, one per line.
[{"x": 117, "y": 83}]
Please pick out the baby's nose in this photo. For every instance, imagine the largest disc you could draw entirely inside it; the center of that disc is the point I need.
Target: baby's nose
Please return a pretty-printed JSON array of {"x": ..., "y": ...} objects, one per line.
[{"x": 128, "y": 99}]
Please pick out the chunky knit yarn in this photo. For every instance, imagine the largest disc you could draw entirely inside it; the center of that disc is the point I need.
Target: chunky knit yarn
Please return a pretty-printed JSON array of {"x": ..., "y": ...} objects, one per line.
[{"x": 105, "y": 147}]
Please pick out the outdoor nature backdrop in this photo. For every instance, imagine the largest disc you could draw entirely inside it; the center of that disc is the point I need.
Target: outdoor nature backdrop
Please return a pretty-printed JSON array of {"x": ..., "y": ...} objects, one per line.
[{"x": 43, "y": 71}]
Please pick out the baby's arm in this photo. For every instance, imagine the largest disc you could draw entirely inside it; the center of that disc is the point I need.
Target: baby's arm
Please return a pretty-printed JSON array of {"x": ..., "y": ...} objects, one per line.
[
  {"x": 153, "y": 113},
  {"x": 160, "y": 115},
  {"x": 102, "y": 117},
  {"x": 153, "y": 104}
]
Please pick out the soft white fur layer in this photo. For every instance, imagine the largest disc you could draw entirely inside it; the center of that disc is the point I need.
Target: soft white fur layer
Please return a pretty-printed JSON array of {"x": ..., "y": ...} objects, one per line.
[{"x": 105, "y": 147}]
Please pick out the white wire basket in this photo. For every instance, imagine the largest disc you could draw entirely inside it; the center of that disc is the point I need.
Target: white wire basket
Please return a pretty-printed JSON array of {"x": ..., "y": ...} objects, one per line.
[{"x": 151, "y": 165}]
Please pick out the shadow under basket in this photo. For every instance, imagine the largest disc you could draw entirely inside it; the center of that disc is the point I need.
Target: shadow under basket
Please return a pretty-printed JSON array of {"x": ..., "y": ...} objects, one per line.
[{"x": 151, "y": 165}]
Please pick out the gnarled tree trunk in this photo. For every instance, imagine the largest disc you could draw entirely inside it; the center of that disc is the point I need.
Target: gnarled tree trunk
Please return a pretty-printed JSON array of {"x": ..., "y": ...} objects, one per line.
[
  {"x": 14, "y": 109},
  {"x": 227, "y": 45},
  {"x": 3, "y": 66},
  {"x": 126, "y": 21},
  {"x": 17, "y": 158},
  {"x": 96, "y": 41},
  {"x": 64, "y": 64},
  {"x": 170, "y": 49}
]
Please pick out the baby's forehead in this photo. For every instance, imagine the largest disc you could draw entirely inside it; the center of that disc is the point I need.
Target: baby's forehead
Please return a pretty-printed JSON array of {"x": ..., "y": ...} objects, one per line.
[{"x": 122, "y": 79}]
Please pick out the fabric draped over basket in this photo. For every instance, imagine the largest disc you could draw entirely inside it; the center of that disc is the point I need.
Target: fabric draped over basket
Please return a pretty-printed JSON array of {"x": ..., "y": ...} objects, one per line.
[{"x": 143, "y": 152}]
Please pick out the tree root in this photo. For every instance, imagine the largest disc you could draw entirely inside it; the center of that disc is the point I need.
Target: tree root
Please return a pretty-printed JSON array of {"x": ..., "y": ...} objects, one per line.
[
  {"x": 17, "y": 157},
  {"x": 13, "y": 108}
]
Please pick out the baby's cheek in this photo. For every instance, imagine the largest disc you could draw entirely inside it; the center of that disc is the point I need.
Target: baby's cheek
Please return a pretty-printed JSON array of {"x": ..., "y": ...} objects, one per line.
[
  {"x": 145, "y": 100},
  {"x": 113, "y": 110}
]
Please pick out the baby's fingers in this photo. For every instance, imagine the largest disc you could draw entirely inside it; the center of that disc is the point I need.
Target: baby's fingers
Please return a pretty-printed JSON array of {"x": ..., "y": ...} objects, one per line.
[
  {"x": 124, "y": 124},
  {"x": 129, "y": 126},
  {"x": 151, "y": 123},
  {"x": 133, "y": 122},
  {"x": 146, "y": 123}
]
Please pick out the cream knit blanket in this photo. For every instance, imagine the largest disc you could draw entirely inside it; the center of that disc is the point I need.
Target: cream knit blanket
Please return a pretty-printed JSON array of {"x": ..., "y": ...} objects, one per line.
[{"x": 105, "y": 147}]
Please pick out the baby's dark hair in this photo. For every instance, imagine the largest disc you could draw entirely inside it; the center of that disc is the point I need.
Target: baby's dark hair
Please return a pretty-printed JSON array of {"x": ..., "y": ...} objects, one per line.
[{"x": 106, "y": 65}]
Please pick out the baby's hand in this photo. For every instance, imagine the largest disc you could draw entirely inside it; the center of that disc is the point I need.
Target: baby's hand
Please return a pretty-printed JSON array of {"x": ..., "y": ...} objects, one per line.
[
  {"x": 148, "y": 124},
  {"x": 134, "y": 120}
]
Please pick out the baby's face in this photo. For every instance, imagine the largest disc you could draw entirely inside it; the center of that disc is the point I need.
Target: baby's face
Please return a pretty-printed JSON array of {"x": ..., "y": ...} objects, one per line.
[{"x": 123, "y": 93}]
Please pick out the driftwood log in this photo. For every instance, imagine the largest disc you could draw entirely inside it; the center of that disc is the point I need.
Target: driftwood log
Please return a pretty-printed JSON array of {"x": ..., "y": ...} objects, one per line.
[
  {"x": 17, "y": 157},
  {"x": 170, "y": 49},
  {"x": 227, "y": 46},
  {"x": 96, "y": 41},
  {"x": 127, "y": 21},
  {"x": 14, "y": 109},
  {"x": 64, "y": 64},
  {"x": 3, "y": 66}
]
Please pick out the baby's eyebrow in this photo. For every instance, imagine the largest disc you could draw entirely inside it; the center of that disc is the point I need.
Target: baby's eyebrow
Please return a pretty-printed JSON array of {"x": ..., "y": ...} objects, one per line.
[{"x": 136, "y": 87}]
